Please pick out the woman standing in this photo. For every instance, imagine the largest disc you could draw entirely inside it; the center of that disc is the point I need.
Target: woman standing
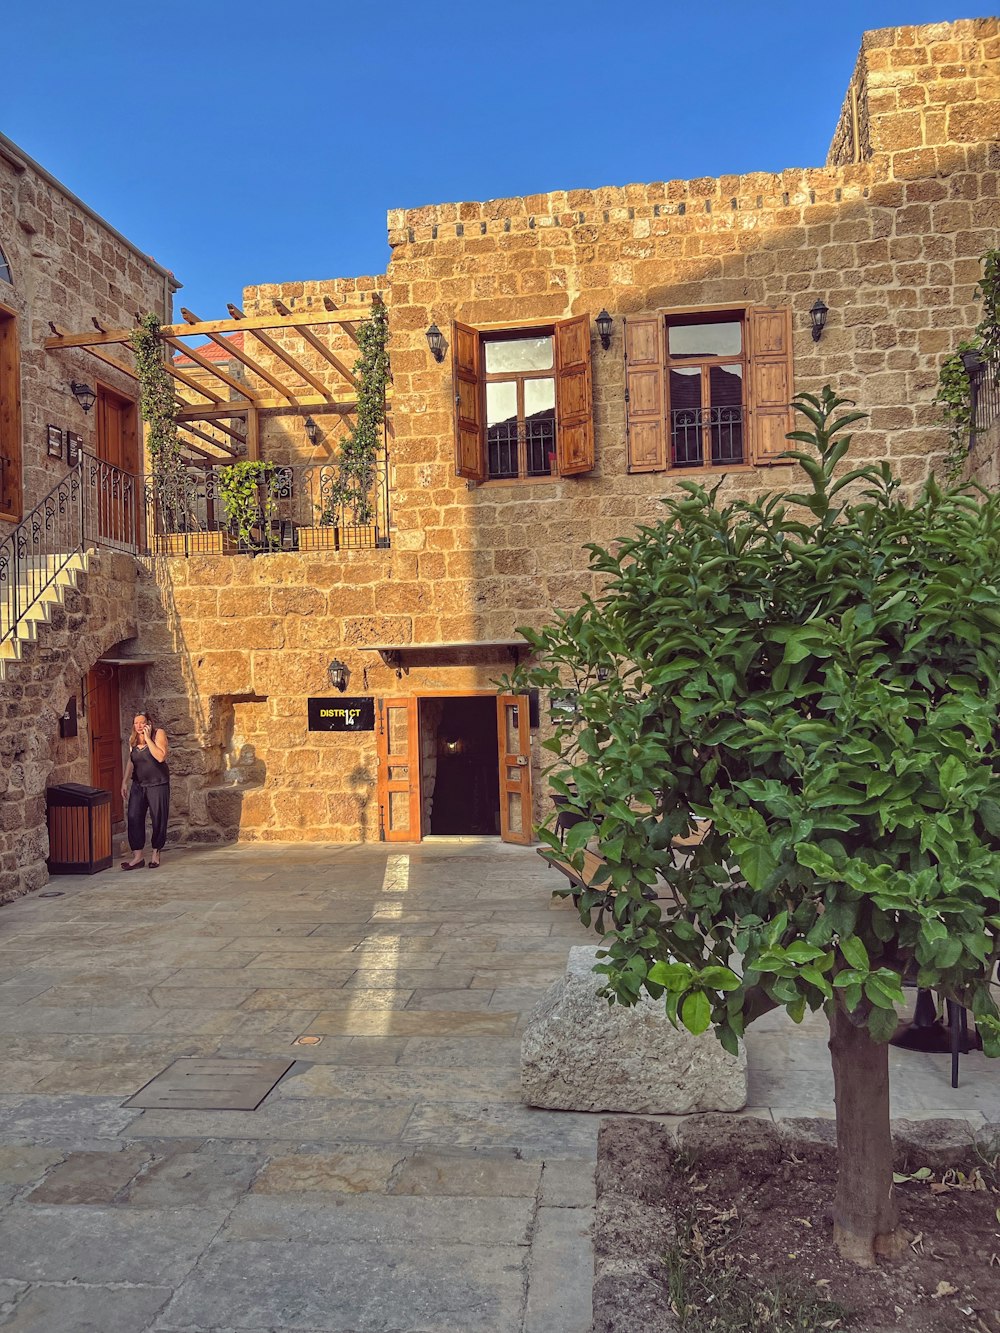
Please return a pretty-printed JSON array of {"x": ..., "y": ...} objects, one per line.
[{"x": 150, "y": 790}]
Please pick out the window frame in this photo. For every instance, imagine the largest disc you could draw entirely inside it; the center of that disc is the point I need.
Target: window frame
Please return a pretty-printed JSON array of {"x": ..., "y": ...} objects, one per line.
[
  {"x": 11, "y": 442},
  {"x": 768, "y": 386},
  {"x": 518, "y": 377},
  {"x": 705, "y": 364}
]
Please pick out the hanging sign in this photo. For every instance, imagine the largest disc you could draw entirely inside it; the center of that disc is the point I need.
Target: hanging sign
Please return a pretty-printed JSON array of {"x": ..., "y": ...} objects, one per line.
[{"x": 342, "y": 714}]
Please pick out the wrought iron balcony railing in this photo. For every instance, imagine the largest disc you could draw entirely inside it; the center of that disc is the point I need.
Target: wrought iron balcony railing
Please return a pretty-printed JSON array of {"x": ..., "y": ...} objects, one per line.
[
  {"x": 291, "y": 507},
  {"x": 706, "y": 435}
]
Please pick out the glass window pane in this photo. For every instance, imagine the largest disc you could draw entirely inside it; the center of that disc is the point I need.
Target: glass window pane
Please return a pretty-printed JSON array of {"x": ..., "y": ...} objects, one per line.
[
  {"x": 726, "y": 386},
  {"x": 685, "y": 418},
  {"x": 514, "y": 818},
  {"x": 511, "y": 731},
  {"x": 397, "y": 721},
  {"x": 724, "y": 338},
  {"x": 399, "y": 810},
  {"x": 517, "y": 354},
  {"x": 540, "y": 425},
  {"x": 726, "y": 389},
  {"x": 501, "y": 429}
]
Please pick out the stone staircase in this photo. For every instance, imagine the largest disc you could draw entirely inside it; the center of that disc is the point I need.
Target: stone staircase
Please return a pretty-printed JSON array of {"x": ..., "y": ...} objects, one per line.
[{"x": 58, "y": 574}]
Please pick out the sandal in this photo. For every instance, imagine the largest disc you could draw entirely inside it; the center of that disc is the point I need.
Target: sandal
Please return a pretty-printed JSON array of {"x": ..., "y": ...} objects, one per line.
[
  {"x": 133, "y": 865},
  {"x": 154, "y": 865}
]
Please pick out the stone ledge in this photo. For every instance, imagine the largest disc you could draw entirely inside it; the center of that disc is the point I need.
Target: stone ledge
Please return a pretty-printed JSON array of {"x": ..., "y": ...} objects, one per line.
[{"x": 580, "y": 1054}]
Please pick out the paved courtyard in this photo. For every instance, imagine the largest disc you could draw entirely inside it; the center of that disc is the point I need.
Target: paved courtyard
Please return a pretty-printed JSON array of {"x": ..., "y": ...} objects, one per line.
[{"x": 392, "y": 1182}]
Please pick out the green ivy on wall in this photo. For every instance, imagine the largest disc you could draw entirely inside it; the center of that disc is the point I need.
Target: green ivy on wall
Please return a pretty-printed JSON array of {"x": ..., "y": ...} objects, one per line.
[
  {"x": 954, "y": 393},
  {"x": 156, "y": 406},
  {"x": 354, "y": 489}
]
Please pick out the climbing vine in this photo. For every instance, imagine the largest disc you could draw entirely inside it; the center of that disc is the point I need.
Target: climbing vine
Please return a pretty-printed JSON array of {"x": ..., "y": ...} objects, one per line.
[
  {"x": 247, "y": 492},
  {"x": 354, "y": 488},
  {"x": 156, "y": 406},
  {"x": 954, "y": 393}
]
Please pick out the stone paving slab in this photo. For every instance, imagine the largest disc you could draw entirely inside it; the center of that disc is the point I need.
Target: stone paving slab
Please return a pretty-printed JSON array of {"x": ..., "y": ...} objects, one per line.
[
  {"x": 78, "y": 1309},
  {"x": 351, "y": 1289}
]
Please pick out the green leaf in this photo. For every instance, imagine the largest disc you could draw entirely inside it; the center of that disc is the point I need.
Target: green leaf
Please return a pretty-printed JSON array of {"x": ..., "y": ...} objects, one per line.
[
  {"x": 696, "y": 1013},
  {"x": 855, "y": 952},
  {"x": 579, "y": 835},
  {"x": 672, "y": 976},
  {"x": 718, "y": 978}
]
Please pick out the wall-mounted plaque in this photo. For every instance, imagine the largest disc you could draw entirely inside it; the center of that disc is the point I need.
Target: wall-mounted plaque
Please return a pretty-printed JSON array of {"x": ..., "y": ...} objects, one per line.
[
  {"x": 342, "y": 714},
  {"x": 74, "y": 447},
  {"x": 53, "y": 440}
]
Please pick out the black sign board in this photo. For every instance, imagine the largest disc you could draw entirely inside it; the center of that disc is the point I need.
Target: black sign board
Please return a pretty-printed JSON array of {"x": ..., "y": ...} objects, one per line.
[{"x": 342, "y": 714}]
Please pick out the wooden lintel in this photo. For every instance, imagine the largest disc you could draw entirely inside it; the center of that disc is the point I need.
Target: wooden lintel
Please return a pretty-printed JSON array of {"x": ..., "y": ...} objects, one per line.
[
  {"x": 212, "y": 369},
  {"x": 249, "y": 323}
]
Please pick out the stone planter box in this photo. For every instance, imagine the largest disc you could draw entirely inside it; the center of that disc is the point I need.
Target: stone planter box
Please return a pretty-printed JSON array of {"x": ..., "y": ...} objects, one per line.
[{"x": 194, "y": 543}]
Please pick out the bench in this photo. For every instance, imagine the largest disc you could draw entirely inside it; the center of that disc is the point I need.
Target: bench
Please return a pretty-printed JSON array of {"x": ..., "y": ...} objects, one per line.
[{"x": 579, "y": 879}]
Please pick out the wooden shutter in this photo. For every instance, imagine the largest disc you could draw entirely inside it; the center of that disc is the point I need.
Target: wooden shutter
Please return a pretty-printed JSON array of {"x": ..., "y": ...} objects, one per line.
[
  {"x": 514, "y": 744},
  {"x": 470, "y": 441},
  {"x": 398, "y": 748},
  {"x": 771, "y": 385},
  {"x": 645, "y": 396},
  {"x": 574, "y": 397},
  {"x": 10, "y": 418}
]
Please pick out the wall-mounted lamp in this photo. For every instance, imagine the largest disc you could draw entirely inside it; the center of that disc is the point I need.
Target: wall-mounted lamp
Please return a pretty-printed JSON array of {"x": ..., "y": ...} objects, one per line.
[
  {"x": 435, "y": 341},
  {"x": 603, "y": 673},
  {"x": 564, "y": 706},
  {"x": 818, "y": 316},
  {"x": 972, "y": 360},
  {"x": 83, "y": 394},
  {"x": 974, "y": 363},
  {"x": 312, "y": 430},
  {"x": 604, "y": 325},
  {"x": 338, "y": 674}
]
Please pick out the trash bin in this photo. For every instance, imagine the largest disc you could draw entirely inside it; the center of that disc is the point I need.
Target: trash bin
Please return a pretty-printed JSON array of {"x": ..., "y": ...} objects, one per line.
[{"x": 79, "y": 829}]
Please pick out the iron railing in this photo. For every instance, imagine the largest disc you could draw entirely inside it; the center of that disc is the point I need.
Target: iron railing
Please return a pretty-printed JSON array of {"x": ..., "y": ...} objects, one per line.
[
  {"x": 984, "y": 385},
  {"x": 292, "y": 507},
  {"x": 706, "y": 434},
  {"x": 94, "y": 504}
]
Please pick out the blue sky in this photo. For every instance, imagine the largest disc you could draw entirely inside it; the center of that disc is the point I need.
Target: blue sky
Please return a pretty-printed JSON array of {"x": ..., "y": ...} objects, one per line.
[{"x": 264, "y": 142}]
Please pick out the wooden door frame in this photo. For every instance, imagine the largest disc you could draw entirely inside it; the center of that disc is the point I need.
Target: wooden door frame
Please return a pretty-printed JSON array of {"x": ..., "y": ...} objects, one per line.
[
  {"x": 11, "y": 316},
  {"x": 119, "y": 767},
  {"x": 445, "y": 693}
]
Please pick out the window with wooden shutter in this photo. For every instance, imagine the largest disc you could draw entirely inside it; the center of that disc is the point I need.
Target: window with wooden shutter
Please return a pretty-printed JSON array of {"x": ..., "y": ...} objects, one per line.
[
  {"x": 771, "y": 381},
  {"x": 11, "y": 498},
  {"x": 645, "y": 406},
  {"x": 470, "y": 444},
  {"x": 574, "y": 397}
]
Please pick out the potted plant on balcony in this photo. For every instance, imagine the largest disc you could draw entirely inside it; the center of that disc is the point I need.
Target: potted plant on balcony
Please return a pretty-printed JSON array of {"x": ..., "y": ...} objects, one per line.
[
  {"x": 349, "y": 504},
  {"x": 177, "y": 529}
]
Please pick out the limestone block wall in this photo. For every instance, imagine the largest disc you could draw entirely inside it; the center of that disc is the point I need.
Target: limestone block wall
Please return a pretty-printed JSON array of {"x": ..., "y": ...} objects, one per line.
[
  {"x": 891, "y": 243},
  {"x": 67, "y": 266},
  {"x": 100, "y": 613}
]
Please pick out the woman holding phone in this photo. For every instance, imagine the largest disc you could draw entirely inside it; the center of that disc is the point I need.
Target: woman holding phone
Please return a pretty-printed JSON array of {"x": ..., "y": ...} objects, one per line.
[{"x": 150, "y": 790}]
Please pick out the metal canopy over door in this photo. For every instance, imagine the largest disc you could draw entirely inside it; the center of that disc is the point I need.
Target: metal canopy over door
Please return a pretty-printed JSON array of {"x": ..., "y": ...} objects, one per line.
[
  {"x": 514, "y": 741},
  {"x": 104, "y": 726},
  {"x": 117, "y": 444},
  {"x": 398, "y": 771}
]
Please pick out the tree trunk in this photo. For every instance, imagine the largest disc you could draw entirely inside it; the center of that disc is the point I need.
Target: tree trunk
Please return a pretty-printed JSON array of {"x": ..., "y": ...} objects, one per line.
[{"x": 865, "y": 1215}]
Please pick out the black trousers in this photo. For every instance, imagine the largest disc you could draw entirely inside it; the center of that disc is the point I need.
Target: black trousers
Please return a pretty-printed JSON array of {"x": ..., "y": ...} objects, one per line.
[{"x": 157, "y": 801}]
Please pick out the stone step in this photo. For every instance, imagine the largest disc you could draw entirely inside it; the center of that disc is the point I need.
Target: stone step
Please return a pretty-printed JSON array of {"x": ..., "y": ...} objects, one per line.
[{"x": 37, "y": 605}]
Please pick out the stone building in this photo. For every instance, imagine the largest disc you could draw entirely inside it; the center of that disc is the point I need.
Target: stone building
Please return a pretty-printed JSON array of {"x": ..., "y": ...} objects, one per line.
[
  {"x": 62, "y": 267},
  {"x": 529, "y": 439}
]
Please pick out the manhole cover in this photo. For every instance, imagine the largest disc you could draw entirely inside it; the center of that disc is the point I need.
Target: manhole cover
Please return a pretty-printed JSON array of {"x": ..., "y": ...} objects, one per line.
[
  {"x": 193, "y": 1084},
  {"x": 52, "y": 893},
  {"x": 307, "y": 1041}
]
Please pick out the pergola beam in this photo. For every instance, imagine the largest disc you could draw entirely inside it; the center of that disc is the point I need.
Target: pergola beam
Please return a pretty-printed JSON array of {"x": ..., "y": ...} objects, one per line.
[
  {"x": 192, "y": 383},
  {"x": 217, "y": 425},
  {"x": 197, "y": 449},
  {"x": 351, "y": 328},
  {"x": 249, "y": 323},
  {"x": 235, "y": 407},
  {"x": 284, "y": 356},
  {"x": 108, "y": 360},
  {"x": 237, "y": 354},
  {"x": 212, "y": 369},
  {"x": 203, "y": 435},
  {"x": 321, "y": 347}
]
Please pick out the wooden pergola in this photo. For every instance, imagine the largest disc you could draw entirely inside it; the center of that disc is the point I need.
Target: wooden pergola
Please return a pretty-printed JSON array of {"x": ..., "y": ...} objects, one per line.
[{"x": 227, "y": 399}]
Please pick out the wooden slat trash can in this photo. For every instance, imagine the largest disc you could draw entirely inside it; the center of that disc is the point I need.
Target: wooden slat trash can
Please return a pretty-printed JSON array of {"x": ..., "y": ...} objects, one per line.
[{"x": 79, "y": 829}]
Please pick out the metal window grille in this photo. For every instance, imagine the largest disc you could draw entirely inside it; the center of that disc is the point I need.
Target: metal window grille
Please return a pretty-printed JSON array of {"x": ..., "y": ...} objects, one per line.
[{"x": 719, "y": 430}]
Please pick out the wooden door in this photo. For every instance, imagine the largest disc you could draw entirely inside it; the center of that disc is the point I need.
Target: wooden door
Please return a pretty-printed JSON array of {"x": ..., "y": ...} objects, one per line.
[
  {"x": 514, "y": 744},
  {"x": 398, "y": 770},
  {"x": 105, "y": 728},
  {"x": 116, "y": 487}
]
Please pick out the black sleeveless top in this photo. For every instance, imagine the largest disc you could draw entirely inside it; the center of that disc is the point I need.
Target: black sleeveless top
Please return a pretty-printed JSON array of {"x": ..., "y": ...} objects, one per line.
[{"x": 149, "y": 772}]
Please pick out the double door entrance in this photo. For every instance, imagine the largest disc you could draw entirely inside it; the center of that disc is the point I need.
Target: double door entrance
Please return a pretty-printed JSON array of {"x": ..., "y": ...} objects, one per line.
[{"x": 454, "y": 764}]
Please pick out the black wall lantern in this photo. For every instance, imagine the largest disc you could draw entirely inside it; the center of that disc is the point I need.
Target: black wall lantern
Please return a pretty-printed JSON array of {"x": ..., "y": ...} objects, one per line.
[
  {"x": 974, "y": 365},
  {"x": 435, "y": 341},
  {"x": 604, "y": 326},
  {"x": 818, "y": 316},
  {"x": 312, "y": 430},
  {"x": 83, "y": 394},
  {"x": 338, "y": 674}
]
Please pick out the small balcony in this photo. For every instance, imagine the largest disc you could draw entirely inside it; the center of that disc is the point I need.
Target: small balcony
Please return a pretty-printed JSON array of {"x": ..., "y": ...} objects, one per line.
[{"x": 291, "y": 507}]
